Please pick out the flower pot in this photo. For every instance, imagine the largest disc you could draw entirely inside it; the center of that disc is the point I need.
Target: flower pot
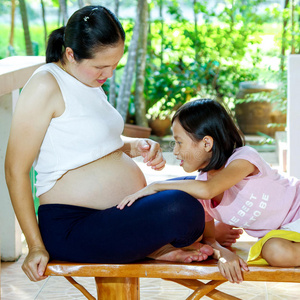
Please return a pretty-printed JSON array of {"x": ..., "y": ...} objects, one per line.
[
  {"x": 132, "y": 130},
  {"x": 160, "y": 127},
  {"x": 253, "y": 117}
]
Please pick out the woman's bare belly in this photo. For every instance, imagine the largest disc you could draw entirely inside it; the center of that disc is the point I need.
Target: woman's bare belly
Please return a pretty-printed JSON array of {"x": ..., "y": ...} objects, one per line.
[{"x": 100, "y": 184}]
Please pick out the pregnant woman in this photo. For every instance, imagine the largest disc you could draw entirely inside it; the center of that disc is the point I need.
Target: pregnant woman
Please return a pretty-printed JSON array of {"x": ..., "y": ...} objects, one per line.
[{"x": 64, "y": 127}]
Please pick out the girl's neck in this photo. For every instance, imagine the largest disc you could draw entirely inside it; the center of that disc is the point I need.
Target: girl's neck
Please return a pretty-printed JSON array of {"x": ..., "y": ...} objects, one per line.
[{"x": 212, "y": 173}]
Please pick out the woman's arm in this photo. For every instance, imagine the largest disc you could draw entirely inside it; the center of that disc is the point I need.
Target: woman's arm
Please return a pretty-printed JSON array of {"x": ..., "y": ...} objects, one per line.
[
  {"x": 216, "y": 185},
  {"x": 34, "y": 111},
  {"x": 148, "y": 149},
  {"x": 230, "y": 264}
]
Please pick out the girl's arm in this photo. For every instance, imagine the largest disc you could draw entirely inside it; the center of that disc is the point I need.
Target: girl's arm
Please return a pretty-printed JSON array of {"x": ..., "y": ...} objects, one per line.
[
  {"x": 216, "y": 185},
  {"x": 34, "y": 111},
  {"x": 148, "y": 149},
  {"x": 230, "y": 264}
]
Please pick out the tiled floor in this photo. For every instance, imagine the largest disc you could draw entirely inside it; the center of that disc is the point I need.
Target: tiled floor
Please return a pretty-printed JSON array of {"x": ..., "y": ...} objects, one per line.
[{"x": 16, "y": 286}]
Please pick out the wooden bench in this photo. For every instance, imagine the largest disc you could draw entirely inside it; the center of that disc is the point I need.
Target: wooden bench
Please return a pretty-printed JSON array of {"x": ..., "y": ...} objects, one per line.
[{"x": 121, "y": 281}]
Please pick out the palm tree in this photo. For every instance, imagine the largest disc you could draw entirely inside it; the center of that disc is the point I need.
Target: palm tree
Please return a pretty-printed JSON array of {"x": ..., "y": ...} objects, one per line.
[
  {"x": 28, "y": 43},
  {"x": 128, "y": 74},
  {"x": 63, "y": 8},
  {"x": 44, "y": 21},
  {"x": 12, "y": 27},
  {"x": 139, "y": 99},
  {"x": 112, "y": 86}
]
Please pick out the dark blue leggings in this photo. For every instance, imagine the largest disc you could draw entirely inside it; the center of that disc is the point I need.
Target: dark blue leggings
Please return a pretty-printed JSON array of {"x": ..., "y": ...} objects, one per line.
[{"x": 80, "y": 234}]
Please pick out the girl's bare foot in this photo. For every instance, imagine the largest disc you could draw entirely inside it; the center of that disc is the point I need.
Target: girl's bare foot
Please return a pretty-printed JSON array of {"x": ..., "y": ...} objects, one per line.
[
  {"x": 195, "y": 252},
  {"x": 225, "y": 234}
]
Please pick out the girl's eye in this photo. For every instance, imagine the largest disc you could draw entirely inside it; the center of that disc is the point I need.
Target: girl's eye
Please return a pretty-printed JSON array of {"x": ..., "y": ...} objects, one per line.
[{"x": 173, "y": 143}]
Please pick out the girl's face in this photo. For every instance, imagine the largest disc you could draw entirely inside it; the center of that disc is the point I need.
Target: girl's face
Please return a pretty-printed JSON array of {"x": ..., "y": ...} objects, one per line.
[
  {"x": 193, "y": 155},
  {"x": 95, "y": 71}
]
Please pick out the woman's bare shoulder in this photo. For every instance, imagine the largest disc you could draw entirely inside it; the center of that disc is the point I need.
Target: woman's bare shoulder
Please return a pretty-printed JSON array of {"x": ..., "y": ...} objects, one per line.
[
  {"x": 42, "y": 91},
  {"x": 42, "y": 81}
]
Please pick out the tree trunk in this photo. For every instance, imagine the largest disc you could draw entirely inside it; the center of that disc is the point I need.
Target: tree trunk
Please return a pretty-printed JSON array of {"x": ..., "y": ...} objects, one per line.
[
  {"x": 23, "y": 10},
  {"x": 64, "y": 11},
  {"x": 293, "y": 51},
  {"x": 44, "y": 22},
  {"x": 127, "y": 78},
  {"x": 80, "y": 3},
  {"x": 196, "y": 43},
  {"x": 112, "y": 86},
  {"x": 139, "y": 98},
  {"x": 161, "y": 31},
  {"x": 12, "y": 23},
  {"x": 283, "y": 37}
]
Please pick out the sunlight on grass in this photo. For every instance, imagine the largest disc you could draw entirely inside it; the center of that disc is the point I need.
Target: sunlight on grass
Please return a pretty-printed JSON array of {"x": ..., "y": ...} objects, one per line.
[{"x": 36, "y": 34}]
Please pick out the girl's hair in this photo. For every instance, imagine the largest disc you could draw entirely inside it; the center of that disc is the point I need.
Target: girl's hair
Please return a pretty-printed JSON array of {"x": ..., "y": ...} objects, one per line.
[
  {"x": 88, "y": 30},
  {"x": 208, "y": 117}
]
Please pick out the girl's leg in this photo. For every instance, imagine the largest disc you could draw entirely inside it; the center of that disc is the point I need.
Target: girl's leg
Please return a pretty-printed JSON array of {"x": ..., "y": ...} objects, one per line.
[
  {"x": 279, "y": 252},
  {"x": 120, "y": 236}
]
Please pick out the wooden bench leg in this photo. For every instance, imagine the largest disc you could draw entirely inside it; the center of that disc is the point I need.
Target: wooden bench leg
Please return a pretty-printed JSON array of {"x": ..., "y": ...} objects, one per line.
[
  {"x": 118, "y": 288},
  {"x": 201, "y": 289},
  {"x": 80, "y": 288},
  {"x": 206, "y": 288}
]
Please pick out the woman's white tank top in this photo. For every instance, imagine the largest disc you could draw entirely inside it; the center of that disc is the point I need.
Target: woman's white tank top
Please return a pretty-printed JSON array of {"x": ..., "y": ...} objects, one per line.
[{"x": 89, "y": 129}]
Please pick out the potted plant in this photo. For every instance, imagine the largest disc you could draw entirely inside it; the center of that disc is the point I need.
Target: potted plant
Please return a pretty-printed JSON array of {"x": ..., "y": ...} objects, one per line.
[
  {"x": 159, "y": 117},
  {"x": 166, "y": 90},
  {"x": 256, "y": 108}
]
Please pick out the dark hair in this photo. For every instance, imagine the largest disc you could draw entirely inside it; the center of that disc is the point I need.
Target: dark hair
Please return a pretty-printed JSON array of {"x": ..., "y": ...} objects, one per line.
[
  {"x": 87, "y": 30},
  {"x": 208, "y": 117}
]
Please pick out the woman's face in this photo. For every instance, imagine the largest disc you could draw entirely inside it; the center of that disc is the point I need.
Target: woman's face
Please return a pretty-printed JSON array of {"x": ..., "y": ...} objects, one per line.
[
  {"x": 192, "y": 155},
  {"x": 95, "y": 71}
]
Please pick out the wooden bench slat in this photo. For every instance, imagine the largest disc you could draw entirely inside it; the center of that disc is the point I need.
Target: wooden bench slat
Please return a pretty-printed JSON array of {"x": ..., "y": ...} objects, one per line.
[{"x": 160, "y": 269}]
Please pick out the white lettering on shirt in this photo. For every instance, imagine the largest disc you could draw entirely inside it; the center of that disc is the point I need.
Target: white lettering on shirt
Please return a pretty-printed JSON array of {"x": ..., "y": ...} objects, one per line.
[
  {"x": 246, "y": 208},
  {"x": 262, "y": 205}
]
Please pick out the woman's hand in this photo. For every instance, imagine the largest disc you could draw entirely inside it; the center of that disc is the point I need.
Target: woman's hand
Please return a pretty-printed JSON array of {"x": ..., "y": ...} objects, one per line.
[
  {"x": 231, "y": 266},
  {"x": 35, "y": 264},
  {"x": 152, "y": 153},
  {"x": 146, "y": 191}
]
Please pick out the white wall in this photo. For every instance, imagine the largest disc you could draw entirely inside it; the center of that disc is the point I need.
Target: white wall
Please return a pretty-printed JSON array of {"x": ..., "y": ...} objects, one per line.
[{"x": 293, "y": 116}]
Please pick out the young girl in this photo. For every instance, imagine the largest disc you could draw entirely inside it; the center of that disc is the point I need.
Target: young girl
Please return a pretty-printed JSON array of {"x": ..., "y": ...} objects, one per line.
[{"x": 235, "y": 186}]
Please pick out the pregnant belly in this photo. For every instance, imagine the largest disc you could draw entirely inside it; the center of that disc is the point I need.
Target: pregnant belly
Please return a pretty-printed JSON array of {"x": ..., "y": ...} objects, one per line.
[{"x": 100, "y": 184}]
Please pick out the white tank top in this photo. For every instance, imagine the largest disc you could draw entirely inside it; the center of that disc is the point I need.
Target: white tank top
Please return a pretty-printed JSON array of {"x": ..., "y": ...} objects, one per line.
[{"x": 89, "y": 129}]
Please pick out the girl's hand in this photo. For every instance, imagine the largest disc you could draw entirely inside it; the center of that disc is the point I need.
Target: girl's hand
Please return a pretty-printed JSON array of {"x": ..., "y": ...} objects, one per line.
[
  {"x": 35, "y": 264},
  {"x": 152, "y": 153},
  {"x": 129, "y": 200},
  {"x": 231, "y": 266}
]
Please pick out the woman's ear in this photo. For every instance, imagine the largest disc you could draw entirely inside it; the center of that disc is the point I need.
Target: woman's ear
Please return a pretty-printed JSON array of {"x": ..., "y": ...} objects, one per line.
[
  {"x": 70, "y": 54},
  {"x": 208, "y": 143}
]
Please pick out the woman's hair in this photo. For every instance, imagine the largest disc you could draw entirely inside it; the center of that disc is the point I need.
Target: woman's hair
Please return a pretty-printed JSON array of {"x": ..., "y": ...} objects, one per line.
[
  {"x": 208, "y": 117},
  {"x": 88, "y": 30}
]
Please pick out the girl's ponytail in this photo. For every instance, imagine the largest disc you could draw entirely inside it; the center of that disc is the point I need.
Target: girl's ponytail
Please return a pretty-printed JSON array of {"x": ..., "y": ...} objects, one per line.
[{"x": 56, "y": 45}]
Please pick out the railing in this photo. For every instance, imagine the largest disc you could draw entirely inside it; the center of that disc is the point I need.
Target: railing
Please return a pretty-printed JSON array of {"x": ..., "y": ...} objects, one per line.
[{"x": 14, "y": 73}]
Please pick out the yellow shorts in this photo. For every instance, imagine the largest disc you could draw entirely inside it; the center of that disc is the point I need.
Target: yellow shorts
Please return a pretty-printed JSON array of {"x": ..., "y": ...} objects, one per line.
[{"x": 254, "y": 257}]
